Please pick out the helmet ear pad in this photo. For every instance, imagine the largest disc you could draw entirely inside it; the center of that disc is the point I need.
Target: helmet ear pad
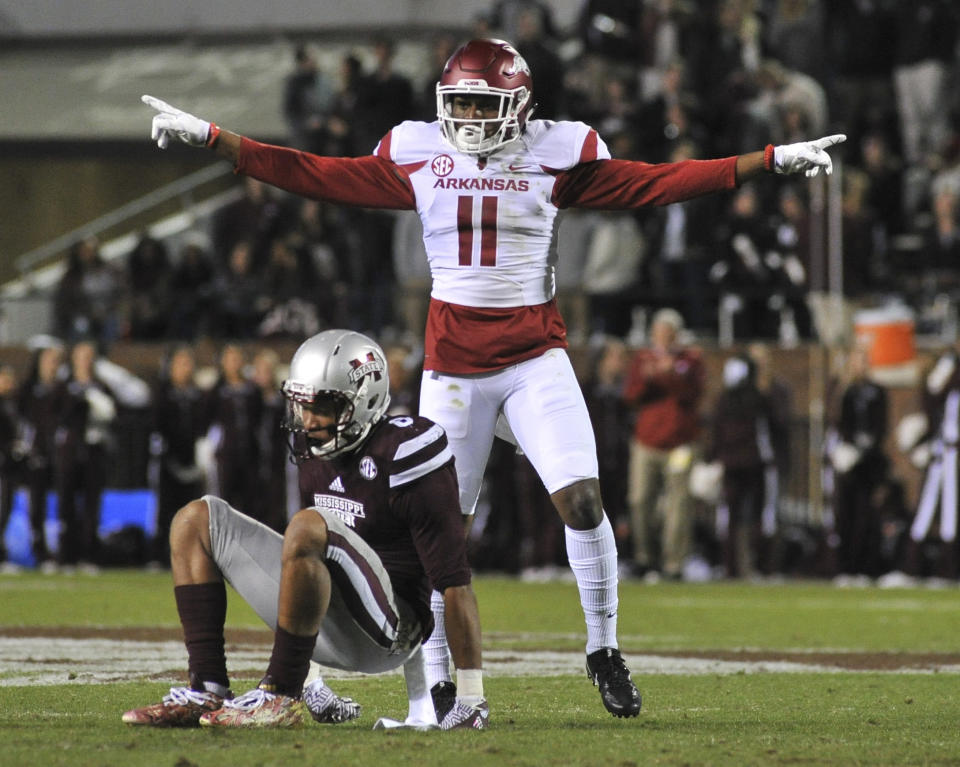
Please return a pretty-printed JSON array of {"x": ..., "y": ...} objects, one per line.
[
  {"x": 346, "y": 369},
  {"x": 492, "y": 68}
]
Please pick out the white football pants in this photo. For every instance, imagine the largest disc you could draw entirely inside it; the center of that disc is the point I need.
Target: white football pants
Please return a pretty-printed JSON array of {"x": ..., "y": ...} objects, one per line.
[{"x": 541, "y": 404}]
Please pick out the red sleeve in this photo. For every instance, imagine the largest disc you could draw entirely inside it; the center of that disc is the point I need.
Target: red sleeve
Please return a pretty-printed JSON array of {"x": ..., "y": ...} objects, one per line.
[
  {"x": 686, "y": 383},
  {"x": 368, "y": 182},
  {"x": 626, "y": 184},
  {"x": 635, "y": 388}
]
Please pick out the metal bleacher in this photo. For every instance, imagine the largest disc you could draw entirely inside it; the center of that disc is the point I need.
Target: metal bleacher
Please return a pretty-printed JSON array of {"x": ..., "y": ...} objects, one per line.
[{"x": 27, "y": 300}]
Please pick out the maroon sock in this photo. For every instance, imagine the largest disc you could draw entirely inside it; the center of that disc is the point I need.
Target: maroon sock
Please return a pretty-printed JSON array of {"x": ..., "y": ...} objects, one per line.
[
  {"x": 203, "y": 610},
  {"x": 290, "y": 662}
]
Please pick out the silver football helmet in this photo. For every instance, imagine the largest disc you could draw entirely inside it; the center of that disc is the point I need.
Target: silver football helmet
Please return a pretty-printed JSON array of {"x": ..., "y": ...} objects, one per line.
[{"x": 342, "y": 369}]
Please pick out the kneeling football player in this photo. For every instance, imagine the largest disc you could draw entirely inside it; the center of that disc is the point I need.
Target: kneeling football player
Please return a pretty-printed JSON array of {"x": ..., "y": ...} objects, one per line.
[{"x": 348, "y": 585}]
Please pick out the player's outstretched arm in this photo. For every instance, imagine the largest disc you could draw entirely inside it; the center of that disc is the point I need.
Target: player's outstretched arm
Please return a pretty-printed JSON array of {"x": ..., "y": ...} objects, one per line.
[
  {"x": 171, "y": 122},
  {"x": 807, "y": 157}
]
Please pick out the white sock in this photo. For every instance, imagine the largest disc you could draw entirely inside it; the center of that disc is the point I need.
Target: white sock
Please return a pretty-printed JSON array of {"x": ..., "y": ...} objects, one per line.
[
  {"x": 593, "y": 559},
  {"x": 420, "y": 707},
  {"x": 436, "y": 653}
]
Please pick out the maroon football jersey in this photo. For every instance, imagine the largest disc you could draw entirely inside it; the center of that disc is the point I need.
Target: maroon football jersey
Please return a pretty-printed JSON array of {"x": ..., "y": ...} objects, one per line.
[{"x": 399, "y": 493}]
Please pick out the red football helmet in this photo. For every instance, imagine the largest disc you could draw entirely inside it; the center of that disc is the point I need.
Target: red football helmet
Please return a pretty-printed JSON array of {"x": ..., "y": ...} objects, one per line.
[{"x": 485, "y": 68}]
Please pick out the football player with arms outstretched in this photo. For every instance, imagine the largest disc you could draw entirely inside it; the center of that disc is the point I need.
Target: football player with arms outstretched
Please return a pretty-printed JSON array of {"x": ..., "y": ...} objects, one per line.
[
  {"x": 489, "y": 182},
  {"x": 348, "y": 585}
]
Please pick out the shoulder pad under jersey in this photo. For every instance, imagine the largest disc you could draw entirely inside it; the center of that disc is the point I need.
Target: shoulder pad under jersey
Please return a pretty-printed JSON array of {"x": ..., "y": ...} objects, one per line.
[
  {"x": 564, "y": 144},
  {"x": 421, "y": 447},
  {"x": 411, "y": 141}
]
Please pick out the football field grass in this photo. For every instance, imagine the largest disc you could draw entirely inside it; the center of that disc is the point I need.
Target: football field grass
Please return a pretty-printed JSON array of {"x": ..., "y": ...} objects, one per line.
[{"x": 732, "y": 674}]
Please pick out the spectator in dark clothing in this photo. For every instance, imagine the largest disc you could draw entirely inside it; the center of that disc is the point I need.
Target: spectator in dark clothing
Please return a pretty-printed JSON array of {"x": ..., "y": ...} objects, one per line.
[
  {"x": 611, "y": 421},
  {"x": 943, "y": 240},
  {"x": 324, "y": 246},
  {"x": 884, "y": 195},
  {"x": 240, "y": 303},
  {"x": 341, "y": 126},
  {"x": 288, "y": 293},
  {"x": 860, "y": 466},
  {"x": 794, "y": 34},
  {"x": 180, "y": 420},
  {"x": 270, "y": 503},
  {"x": 87, "y": 299},
  {"x": 235, "y": 412},
  {"x": 859, "y": 38},
  {"x": 743, "y": 432},
  {"x": 532, "y": 43},
  {"x": 862, "y": 258},
  {"x": 742, "y": 273},
  {"x": 39, "y": 402},
  {"x": 441, "y": 49},
  {"x": 612, "y": 29},
  {"x": 722, "y": 48},
  {"x": 404, "y": 366},
  {"x": 926, "y": 39},
  {"x": 670, "y": 117},
  {"x": 679, "y": 246},
  {"x": 306, "y": 101},
  {"x": 255, "y": 218},
  {"x": 191, "y": 291},
  {"x": 506, "y": 16},
  {"x": 87, "y": 412},
  {"x": 148, "y": 297},
  {"x": 12, "y": 463},
  {"x": 779, "y": 393},
  {"x": 619, "y": 115},
  {"x": 386, "y": 98}
]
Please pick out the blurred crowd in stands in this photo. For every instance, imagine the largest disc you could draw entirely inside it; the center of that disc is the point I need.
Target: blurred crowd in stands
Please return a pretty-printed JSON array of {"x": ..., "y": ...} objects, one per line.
[
  {"x": 660, "y": 80},
  {"x": 701, "y": 479},
  {"x": 696, "y": 488}
]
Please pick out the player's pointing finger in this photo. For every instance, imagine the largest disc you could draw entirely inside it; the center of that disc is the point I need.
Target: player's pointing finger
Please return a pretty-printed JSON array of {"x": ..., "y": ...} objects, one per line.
[
  {"x": 160, "y": 106},
  {"x": 836, "y": 138}
]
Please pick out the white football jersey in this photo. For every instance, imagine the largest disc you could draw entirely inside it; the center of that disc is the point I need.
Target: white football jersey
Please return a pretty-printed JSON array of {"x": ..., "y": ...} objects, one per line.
[{"x": 489, "y": 224}]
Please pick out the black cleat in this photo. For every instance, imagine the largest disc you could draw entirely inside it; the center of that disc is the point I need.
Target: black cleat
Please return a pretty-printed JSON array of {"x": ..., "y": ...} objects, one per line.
[
  {"x": 444, "y": 695},
  {"x": 619, "y": 694}
]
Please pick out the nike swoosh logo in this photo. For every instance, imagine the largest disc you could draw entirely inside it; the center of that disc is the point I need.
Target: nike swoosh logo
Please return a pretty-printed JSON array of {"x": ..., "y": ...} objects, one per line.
[{"x": 521, "y": 166}]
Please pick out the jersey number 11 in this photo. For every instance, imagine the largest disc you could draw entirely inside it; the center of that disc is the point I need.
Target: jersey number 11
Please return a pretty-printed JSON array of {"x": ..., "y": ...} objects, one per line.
[{"x": 468, "y": 230}]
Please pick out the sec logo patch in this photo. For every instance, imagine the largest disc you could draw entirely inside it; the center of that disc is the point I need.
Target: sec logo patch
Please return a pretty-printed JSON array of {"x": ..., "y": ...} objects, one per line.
[
  {"x": 442, "y": 165},
  {"x": 368, "y": 468}
]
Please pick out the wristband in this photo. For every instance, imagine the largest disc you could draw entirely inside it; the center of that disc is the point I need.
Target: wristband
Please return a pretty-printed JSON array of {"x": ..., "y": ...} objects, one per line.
[
  {"x": 213, "y": 136},
  {"x": 767, "y": 157}
]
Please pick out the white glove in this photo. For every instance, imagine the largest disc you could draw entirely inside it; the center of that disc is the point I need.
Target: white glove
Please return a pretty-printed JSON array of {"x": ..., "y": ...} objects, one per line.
[
  {"x": 805, "y": 157},
  {"x": 794, "y": 269},
  {"x": 920, "y": 456},
  {"x": 706, "y": 481},
  {"x": 383, "y": 723},
  {"x": 844, "y": 457},
  {"x": 941, "y": 373},
  {"x": 175, "y": 122},
  {"x": 910, "y": 431},
  {"x": 101, "y": 407}
]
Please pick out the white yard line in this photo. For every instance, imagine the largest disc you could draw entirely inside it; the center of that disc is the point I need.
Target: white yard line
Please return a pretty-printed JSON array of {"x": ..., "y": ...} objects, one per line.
[{"x": 48, "y": 661}]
